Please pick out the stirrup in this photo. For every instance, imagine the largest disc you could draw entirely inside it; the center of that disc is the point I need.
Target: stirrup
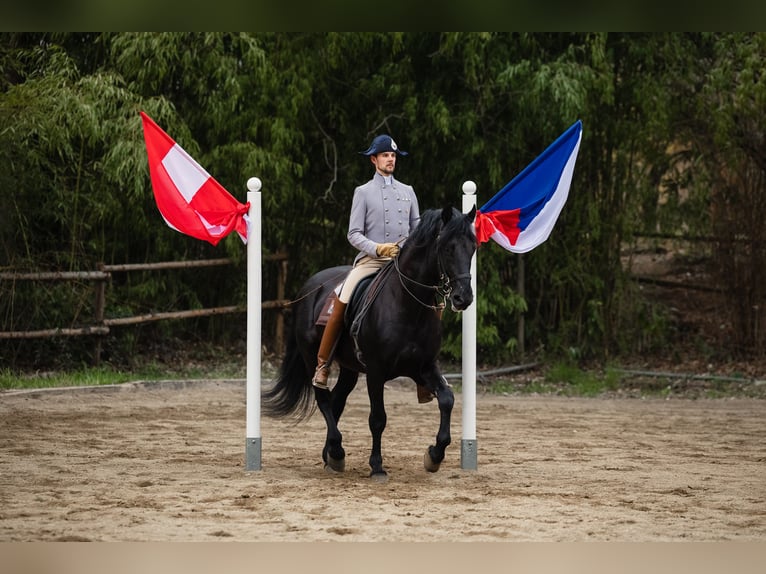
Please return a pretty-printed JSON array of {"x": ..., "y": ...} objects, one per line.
[{"x": 321, "y": 375}]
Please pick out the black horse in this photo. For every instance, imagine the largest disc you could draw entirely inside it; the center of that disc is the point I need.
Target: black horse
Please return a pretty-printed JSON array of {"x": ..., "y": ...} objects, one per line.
[{"x": 397, "y": 334}]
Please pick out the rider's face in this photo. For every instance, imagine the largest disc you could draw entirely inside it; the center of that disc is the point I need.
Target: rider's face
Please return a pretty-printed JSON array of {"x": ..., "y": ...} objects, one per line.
[{"x": 384, "y": 162}]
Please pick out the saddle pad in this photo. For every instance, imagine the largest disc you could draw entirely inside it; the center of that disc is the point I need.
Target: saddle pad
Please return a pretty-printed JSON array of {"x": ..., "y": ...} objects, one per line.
[
  {"x": 329, "y": 303},
  {"x": 356, "y": 298}
]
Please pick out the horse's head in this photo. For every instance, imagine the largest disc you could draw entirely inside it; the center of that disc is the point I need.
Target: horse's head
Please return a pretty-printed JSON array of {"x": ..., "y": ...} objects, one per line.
[{"x": 455, "y": 247}]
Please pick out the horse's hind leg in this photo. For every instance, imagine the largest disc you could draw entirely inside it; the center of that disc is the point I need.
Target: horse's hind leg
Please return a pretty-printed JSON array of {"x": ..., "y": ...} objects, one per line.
[
  {"x": 433, "y": 380},
  {"x": 346, "y": 383},
  {"x": 333, "y": 454}
]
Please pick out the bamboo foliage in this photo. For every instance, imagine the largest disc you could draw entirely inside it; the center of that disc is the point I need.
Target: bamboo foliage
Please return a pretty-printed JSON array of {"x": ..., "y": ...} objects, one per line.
[{"x": 665, "y": 116}]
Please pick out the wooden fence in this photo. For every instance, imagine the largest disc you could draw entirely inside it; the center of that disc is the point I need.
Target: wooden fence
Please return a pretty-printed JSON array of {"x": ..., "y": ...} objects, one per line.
[{"x": 101, "y": 324}]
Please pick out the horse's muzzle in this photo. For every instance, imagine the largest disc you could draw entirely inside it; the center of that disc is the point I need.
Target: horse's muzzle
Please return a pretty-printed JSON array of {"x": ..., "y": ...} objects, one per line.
[{"x": 461, "y": 299}]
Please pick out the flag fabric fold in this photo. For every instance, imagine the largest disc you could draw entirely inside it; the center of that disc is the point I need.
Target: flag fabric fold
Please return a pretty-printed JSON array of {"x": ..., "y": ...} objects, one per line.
[
  {"x": 189, "y": 198},
  {"x": 522, "y": 214}
]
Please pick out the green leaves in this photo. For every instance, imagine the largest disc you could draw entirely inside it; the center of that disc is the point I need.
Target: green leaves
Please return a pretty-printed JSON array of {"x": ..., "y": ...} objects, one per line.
[{"x": 665, "y": 115}]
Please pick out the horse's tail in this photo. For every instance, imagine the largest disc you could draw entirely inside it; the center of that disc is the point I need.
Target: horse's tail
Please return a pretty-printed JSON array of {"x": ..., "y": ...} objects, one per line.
[{"x": 292, "y": 392}]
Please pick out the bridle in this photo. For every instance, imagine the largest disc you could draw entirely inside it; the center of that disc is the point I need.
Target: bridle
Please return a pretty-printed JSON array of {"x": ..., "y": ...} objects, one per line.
[{"x": 443, "y": 289}]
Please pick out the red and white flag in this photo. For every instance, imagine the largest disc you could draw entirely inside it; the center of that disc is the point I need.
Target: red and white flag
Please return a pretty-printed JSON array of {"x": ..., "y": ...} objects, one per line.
[{"x": 188, "y": 198}]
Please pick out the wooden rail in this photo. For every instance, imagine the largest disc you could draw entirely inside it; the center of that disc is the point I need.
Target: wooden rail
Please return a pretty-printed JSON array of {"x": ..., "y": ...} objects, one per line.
[{"x": 101, "y": 324}]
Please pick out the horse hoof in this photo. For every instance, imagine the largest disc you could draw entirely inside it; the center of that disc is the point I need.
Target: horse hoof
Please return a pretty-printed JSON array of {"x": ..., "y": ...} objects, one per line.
[
  {"x": 379, "y": 477},
  {"x": 333, "y": 465},
  {"x": 429, "y": 464}
]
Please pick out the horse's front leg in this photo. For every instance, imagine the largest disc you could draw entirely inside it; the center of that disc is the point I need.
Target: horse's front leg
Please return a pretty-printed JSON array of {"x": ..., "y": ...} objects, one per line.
[
  {"x": 433, "y": 380},
  {"x": 377, "y": 423}
]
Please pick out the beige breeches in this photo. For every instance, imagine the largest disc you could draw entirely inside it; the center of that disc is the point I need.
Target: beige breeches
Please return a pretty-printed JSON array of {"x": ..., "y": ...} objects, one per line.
[{"x": 366, "y": 266}]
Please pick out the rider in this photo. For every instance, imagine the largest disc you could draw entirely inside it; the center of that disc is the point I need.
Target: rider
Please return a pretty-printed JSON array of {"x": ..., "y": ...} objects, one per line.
[{"x": 383, "y": 213}]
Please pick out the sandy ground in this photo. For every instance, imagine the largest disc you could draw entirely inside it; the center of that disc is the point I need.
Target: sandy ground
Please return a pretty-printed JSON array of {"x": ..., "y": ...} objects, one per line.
[{"x": 165, "y": 463}]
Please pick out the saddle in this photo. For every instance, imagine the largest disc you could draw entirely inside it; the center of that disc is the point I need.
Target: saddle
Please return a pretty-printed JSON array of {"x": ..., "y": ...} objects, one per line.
[
  {"x": 364, "y": 294},
  {"x": 356, "y": 298}
]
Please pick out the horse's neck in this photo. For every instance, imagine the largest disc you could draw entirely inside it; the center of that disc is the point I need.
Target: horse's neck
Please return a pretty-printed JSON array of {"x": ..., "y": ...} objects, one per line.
[{"x": 420, "y": 264}]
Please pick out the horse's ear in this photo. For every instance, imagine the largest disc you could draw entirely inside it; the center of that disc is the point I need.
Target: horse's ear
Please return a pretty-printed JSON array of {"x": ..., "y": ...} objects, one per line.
[
  {"x": 446, "y": 215},
  {"x": 471, "y": 215}
]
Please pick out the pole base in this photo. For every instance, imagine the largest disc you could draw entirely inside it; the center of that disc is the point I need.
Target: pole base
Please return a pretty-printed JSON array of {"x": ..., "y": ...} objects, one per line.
[
  {"x": 253, "y": 454},
  {"x": 468, "y": 454}
]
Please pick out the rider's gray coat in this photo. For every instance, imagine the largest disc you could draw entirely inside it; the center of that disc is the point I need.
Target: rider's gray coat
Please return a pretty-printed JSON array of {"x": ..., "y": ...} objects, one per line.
[{"x": 381, "y": 213}]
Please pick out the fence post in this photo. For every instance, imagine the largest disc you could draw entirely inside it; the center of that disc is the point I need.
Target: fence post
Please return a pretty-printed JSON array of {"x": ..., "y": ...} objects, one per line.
[{"x": 99, "y": 314}]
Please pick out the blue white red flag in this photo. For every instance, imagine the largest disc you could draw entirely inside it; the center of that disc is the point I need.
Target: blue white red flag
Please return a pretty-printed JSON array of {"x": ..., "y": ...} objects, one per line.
[
  {"x": 522, "y": 214},
  {"x": 188, "y": 198}
]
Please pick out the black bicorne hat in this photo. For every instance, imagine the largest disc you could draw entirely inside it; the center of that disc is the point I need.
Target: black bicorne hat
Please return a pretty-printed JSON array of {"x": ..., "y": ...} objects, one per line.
[{"x": 383, "y": 143}]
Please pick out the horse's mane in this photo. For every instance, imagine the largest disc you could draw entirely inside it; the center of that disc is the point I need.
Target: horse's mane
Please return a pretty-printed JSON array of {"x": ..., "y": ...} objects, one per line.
[
  {"x": 430, "y": 225},
  {"x": 427, "y": 228}
]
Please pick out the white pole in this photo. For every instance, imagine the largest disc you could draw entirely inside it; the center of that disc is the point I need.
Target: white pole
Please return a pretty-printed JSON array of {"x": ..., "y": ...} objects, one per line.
[
  {"x": 253, "y": 410},
  {"x": 468, "y": 446}
]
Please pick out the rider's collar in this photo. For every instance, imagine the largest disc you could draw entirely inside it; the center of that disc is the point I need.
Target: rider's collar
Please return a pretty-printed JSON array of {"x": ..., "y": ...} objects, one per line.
[{"x": 385, "y": 179}]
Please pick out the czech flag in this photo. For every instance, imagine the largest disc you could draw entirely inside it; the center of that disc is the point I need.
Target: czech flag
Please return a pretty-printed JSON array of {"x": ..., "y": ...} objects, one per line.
[
  {"x": 522, "y": 214},
  {"x": 188, "y": 198}
]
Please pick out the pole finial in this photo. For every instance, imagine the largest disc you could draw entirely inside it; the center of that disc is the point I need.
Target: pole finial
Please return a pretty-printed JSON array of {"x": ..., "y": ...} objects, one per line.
[
  {"x": 254, "y": 184},
  {"x": 469, "y": 187}
]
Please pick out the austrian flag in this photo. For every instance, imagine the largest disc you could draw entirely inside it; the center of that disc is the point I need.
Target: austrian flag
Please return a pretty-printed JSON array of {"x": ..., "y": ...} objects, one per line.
[{"x": 188, "y": 198}]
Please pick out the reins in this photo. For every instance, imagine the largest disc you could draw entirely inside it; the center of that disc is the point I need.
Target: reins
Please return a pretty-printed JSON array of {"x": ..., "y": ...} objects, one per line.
[
  {"x": 443, "y": 289},
  {"x": 317, "y": 288}
]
